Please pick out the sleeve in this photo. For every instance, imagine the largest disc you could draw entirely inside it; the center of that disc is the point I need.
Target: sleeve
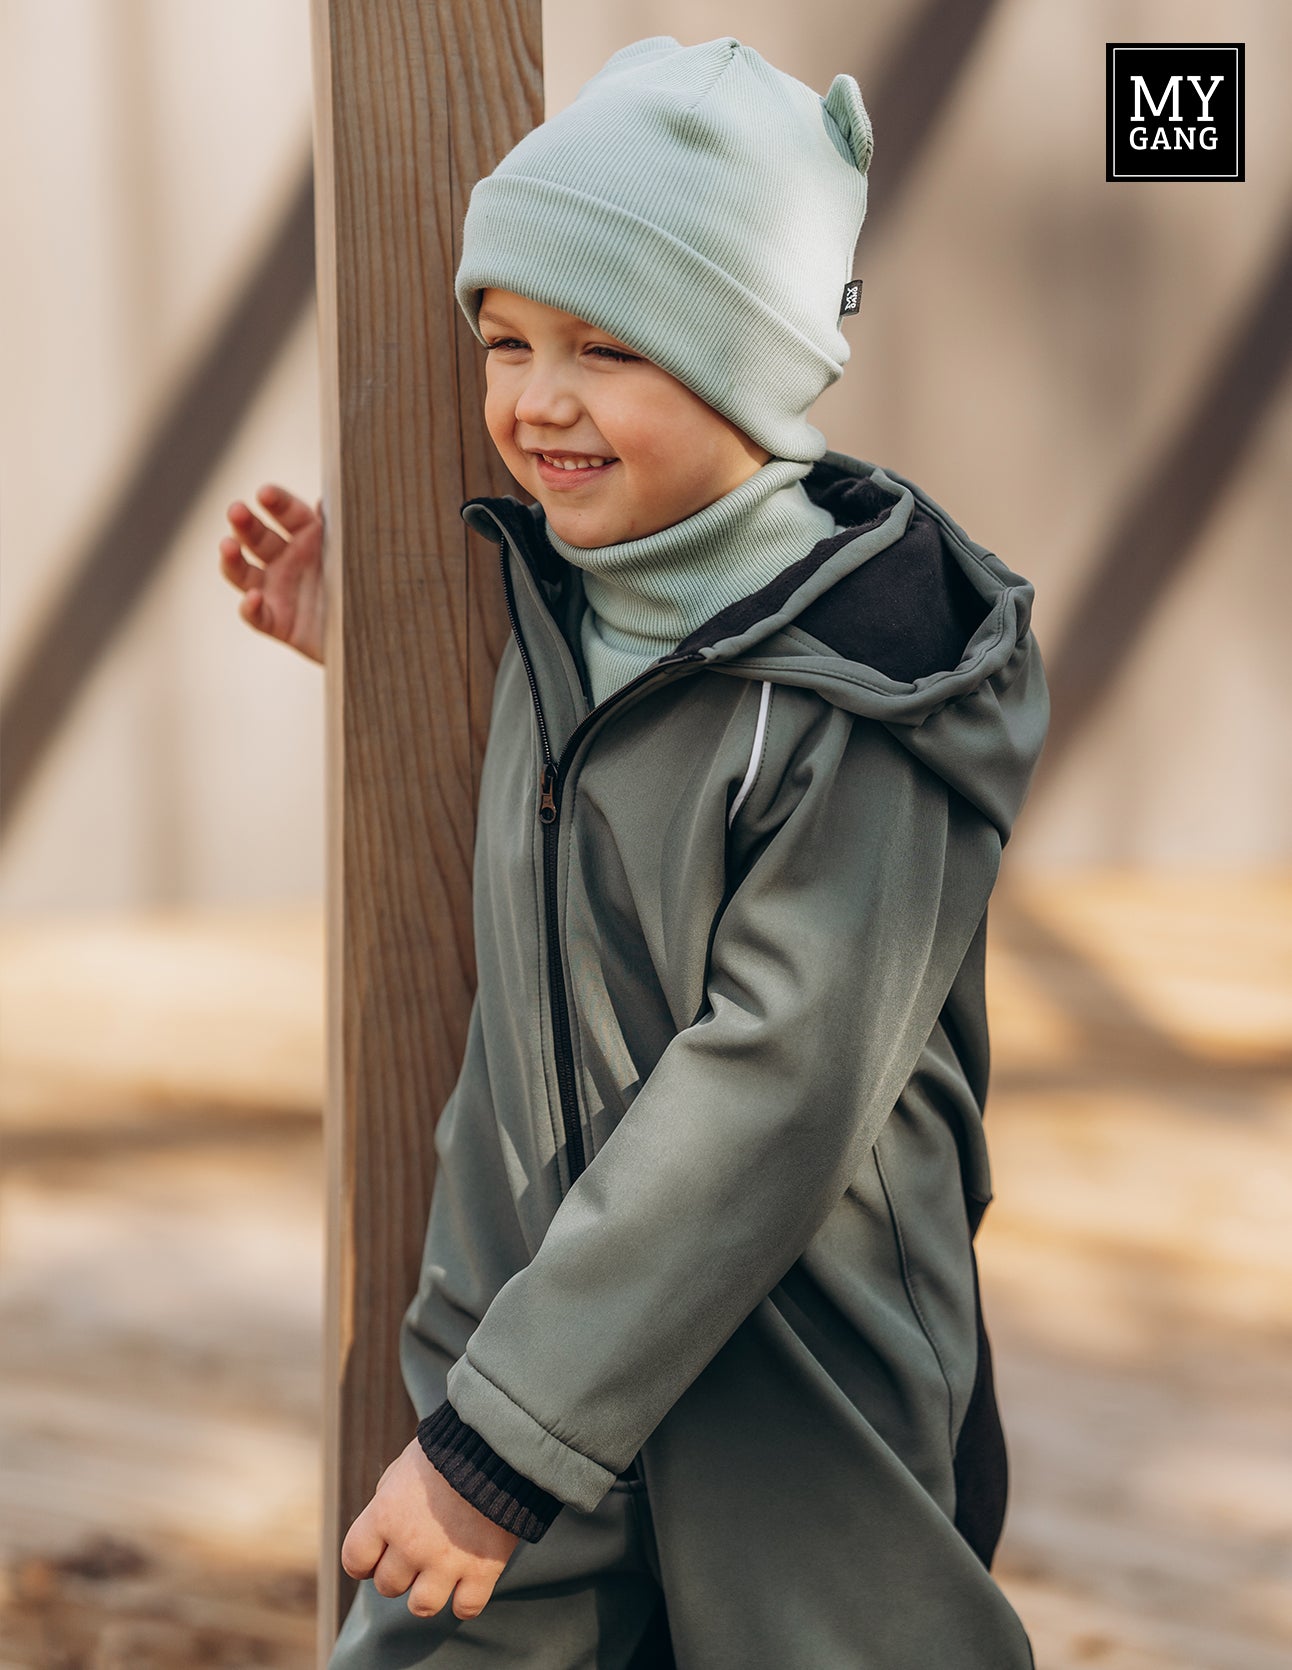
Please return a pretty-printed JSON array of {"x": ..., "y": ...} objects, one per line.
[
  {"x": 829, "y": 964},
  {"x": 483, "y": 1478}
]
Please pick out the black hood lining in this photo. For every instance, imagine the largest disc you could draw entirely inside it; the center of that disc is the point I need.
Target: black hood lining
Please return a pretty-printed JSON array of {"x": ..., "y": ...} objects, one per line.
[{"x": 908, "y": 611}]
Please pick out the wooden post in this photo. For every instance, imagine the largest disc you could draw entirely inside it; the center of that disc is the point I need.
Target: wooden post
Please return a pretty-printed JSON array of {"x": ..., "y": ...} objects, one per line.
[{"x": 414, "y": 101}]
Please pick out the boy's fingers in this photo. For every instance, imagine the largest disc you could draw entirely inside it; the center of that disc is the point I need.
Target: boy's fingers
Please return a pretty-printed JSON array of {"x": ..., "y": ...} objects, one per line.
[
  {"x": 250, "y": 582},
  {"x": 470, "y": 1599},
  {"x": 428, "y": 1595},
  {"x": 253, "y": 533},
  {"x": 393, "y": 1573},
  {"x": 285, "y": 507},
  {"x": 256, "y": 612},
  {"x": 361, "y": 1549},
  {"x": 235, "y": 567}
]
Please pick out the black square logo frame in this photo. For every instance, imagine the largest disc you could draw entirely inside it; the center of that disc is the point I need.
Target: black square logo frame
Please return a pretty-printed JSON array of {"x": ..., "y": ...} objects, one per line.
[{"x": 1175, "y": 110}]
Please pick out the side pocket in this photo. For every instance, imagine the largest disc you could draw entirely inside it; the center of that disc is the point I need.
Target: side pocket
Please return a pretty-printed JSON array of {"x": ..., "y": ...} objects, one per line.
[{"x": 908, "y": 1282}]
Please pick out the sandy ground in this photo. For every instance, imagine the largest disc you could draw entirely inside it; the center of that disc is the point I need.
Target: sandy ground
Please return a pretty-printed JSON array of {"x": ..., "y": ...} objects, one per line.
[{"x": 161, "y": 1222}]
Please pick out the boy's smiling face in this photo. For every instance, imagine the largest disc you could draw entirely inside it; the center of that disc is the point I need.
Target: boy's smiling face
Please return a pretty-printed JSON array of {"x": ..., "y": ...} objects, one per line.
[{"x": 556, "y": 384}]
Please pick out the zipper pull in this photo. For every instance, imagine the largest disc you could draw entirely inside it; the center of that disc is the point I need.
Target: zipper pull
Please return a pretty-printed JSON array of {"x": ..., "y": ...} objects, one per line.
[{"x": 547, "y": 807}]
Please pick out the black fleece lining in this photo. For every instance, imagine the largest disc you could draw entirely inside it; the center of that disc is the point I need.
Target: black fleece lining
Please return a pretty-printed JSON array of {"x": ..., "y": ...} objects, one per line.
[
  {"x": 480, "y": 1475},
  {"x": 908, "y": 611},
  {"x": 545, "y": 561}
]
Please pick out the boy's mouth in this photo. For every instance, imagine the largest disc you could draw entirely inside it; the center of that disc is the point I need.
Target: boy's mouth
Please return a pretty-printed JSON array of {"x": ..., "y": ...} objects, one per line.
[{"x": 569, "y": 474}]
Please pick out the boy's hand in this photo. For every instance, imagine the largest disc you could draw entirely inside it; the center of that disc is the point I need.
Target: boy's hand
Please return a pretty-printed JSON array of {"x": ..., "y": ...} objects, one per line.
[
  {"x": 417, "y": 1530},
  {"x": 284, "y": 597}
]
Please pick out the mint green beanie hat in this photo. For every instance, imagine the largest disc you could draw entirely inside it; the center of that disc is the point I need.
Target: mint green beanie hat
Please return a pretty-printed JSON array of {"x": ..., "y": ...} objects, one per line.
[{"x": 703, "y": 207}]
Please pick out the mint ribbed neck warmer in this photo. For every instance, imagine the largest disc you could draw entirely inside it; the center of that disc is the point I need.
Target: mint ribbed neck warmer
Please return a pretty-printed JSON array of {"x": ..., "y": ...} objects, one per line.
[{"x": 645, "y": 595}]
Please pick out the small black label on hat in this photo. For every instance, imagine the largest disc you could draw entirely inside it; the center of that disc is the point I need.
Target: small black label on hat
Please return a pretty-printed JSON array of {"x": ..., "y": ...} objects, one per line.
[{"x": 851, "y": 297}]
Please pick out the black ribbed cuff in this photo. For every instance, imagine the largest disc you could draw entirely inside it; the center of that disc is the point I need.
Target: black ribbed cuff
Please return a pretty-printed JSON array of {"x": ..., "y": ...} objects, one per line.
[{"x": 483, "y": 1478}]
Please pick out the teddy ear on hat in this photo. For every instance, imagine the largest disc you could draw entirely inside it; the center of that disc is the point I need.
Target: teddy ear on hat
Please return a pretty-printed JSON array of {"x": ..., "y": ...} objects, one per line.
[{"x": 843, "y": 105}]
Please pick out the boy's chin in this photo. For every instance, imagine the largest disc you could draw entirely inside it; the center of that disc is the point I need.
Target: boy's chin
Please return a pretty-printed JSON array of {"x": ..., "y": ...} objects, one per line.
[{"x": 588, "y": 530}]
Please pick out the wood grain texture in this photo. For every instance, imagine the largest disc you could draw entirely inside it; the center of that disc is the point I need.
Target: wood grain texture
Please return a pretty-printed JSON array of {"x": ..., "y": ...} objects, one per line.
[{"x": 413, "y": 103}]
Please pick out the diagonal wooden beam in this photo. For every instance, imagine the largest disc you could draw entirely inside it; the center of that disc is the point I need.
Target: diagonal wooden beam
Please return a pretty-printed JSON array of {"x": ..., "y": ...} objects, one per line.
[
  {"x": 106, "y": 580},
  {"x": 1158, "y": 528},
  {"x": 912, "y": 90}
]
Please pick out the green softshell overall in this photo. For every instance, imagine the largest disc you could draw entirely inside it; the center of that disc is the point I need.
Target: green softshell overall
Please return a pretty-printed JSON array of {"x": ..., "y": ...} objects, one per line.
[{"x": 699, "y": 1260}]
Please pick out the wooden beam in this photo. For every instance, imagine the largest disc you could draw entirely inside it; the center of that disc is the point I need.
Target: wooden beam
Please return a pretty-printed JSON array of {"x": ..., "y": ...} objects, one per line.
[{"x": 414, "y": 101}]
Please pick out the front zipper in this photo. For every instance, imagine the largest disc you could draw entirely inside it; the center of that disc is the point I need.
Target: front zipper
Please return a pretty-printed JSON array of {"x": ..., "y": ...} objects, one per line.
[{"x": 549, "y": 811}]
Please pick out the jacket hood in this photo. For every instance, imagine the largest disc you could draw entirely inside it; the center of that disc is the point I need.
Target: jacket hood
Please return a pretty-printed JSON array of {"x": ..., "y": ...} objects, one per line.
[{"x": 899, "y": 617}]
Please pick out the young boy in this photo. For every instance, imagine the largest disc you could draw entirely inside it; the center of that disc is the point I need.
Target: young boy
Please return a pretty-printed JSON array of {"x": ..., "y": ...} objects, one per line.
[{"x": 697, "y": 1345}]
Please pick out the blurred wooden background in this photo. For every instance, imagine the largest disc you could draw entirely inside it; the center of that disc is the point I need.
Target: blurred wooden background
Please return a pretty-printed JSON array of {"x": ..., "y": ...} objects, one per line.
[
  {"x": 161, "y": 1277},
  {"x": 1090, "y": 377}
]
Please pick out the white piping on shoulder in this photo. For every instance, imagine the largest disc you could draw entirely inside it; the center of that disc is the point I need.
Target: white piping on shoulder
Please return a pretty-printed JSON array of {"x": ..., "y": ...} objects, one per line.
[{"x": 755, "y": 753}]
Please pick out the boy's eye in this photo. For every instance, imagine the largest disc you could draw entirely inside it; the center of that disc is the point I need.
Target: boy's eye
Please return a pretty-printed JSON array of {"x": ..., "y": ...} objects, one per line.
[{"x": 600, "y": 348}]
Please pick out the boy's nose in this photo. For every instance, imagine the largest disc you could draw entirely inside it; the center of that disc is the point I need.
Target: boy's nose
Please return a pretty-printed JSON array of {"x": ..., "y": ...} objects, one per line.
[{"x": 547, "y": 399}]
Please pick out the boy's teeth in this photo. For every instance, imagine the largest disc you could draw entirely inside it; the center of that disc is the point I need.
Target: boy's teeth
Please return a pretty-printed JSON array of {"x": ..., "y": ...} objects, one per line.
[{"x": 572, "y": 464}]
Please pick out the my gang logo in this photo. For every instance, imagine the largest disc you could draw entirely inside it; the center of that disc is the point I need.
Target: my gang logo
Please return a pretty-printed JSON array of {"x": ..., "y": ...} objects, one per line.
[{"x": 1175, "y": 112}]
